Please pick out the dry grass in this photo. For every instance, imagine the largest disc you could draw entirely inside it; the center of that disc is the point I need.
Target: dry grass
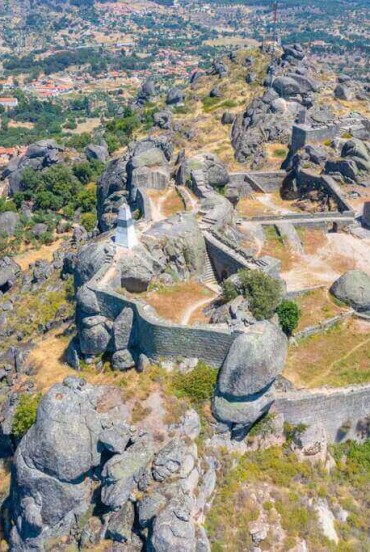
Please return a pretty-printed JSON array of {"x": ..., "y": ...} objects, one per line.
[
  {"x": 248, "y": 207},
  {"x": 338, "y": 357},
  {"x": 44, "y": 252},
  {"x": 266, "y": 204},
  {"x": 312, "y": 239},
  {"x": 173, "y": 204},
  {"x": 275, "y": 247},
  {"x": 316, "y": 306},
  {"x": 88, "y": 126},
  {"x": 172, "y": 302},
  {"x": 18, "y": 124},
  {"x": 276, "y": 153}
]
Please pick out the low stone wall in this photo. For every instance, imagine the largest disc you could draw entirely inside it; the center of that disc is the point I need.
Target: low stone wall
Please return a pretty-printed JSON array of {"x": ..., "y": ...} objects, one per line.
[
  {"x": 324, "y": 325},
  {"x": 307, "y": 178},
  {"x": 342, "y": 411},
  {"x": 143, "y": 203}
]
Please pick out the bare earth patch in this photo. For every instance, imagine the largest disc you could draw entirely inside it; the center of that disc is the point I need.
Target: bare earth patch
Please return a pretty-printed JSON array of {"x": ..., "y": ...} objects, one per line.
[
  {"x": 44, "y": 252},
  {"x": 341, "y": 252},
  {"x": 173, "y": 303}
]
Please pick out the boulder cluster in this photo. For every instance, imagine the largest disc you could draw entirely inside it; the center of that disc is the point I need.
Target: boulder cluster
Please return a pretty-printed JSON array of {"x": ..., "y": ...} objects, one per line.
[
  {"x": 145, "y": 165},
  {"x": 84, "y": 474},
  {"x": 269, "y": 117},
  {"x": 353, "y": 289},
  {"x": 38, "y": 156}
]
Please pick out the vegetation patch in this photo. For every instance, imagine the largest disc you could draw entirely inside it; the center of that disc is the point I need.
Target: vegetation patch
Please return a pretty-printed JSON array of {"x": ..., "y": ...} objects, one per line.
[
  {"x": 338, "y": 357},
  {"x": 197, "y": 385},
  {"x": 263, "y": 292},
  {"x": 25, "y": 414}
]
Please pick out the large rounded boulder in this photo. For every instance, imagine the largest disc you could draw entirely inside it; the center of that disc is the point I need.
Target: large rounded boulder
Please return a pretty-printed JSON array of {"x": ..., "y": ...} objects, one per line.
[
  {"x": 353, "y": 288},
  {"x": 254, "y": 360},
  {"x": 244, "y": 391}
]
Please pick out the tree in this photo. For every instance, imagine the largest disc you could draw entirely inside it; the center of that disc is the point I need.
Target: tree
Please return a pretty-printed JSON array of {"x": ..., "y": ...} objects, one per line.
[
  {"x": 288, "y": 313},
  {"x": 263, "y": 292},
  {"x": 88, "y": 221}
]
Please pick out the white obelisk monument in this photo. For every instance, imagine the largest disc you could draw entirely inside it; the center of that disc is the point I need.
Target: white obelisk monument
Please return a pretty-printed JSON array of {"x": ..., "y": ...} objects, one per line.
[{"x": 125, "y": 232}]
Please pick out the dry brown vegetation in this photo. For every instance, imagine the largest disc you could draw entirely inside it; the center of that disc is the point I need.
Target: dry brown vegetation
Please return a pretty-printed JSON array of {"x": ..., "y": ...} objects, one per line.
[
  {"x": 45, "y": 252},
  {"x": 312, "y": 239},
  {"x": 316, "y": 306},
  {"x": 172, "y": 302},
  {"x": 275, "y": 247},
  {"x": 340, "y": 356}
]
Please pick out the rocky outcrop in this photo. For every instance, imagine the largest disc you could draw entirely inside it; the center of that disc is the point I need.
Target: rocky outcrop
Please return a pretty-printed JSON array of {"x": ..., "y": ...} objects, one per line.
[
  {"x": 84, "y": 474},
  {"x": 146, "y": 92},
  {"x": 54, "y": 463},
  {"x": 214, "y": 172},
  {"x": 9, "y": 222},
  {"x": 343, "y": 92},
  {"x": 244, "y": 388},
  {"x": 177, "y": 245},
  {"x": 174, "y": 96},
  {"x": 9, "y": 272},
  {"x": 144, "y": 165},
  {"x": 311, "y": 444},
  {"x": 359, "y": 152},
  {"x": 353, "y": 288},
  {"x": 263, "y": 121},
  {"x": 97, "y": 152},
  {"x": 90, "y": 259},
  {"x": 38, "y": 156}
]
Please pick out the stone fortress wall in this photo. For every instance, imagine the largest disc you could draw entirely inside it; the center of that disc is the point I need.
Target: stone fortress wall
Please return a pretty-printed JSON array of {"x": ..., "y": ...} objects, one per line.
[
  {"x": 271, "y": 181},
  {"x": 303, "y": 134},
  {"x": 341, "y": 411},
  {"x": 160, "y": 339}
]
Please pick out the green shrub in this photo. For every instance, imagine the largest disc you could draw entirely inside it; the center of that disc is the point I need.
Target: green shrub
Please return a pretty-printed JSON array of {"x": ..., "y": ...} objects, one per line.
[
  {"x": 88, "y": 221},
  {"x": 280, "y": 152},
  {"x": 25, "y": 414},
  {"x": 228, "y": 291},
  {"x": 288, "y": 313},
  {"x": 197, "y": 385},
  {"x": 262, "y": 291}
]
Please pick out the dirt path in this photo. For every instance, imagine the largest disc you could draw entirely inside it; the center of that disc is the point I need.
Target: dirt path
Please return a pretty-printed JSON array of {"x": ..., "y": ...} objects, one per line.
[
  {"x": 192, "y": 200},
  {"x": 187, "y": 314}
]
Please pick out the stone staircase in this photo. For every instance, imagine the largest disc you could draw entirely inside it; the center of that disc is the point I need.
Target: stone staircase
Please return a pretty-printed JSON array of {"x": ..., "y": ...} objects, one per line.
[{"x": 209, "y": 277}]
